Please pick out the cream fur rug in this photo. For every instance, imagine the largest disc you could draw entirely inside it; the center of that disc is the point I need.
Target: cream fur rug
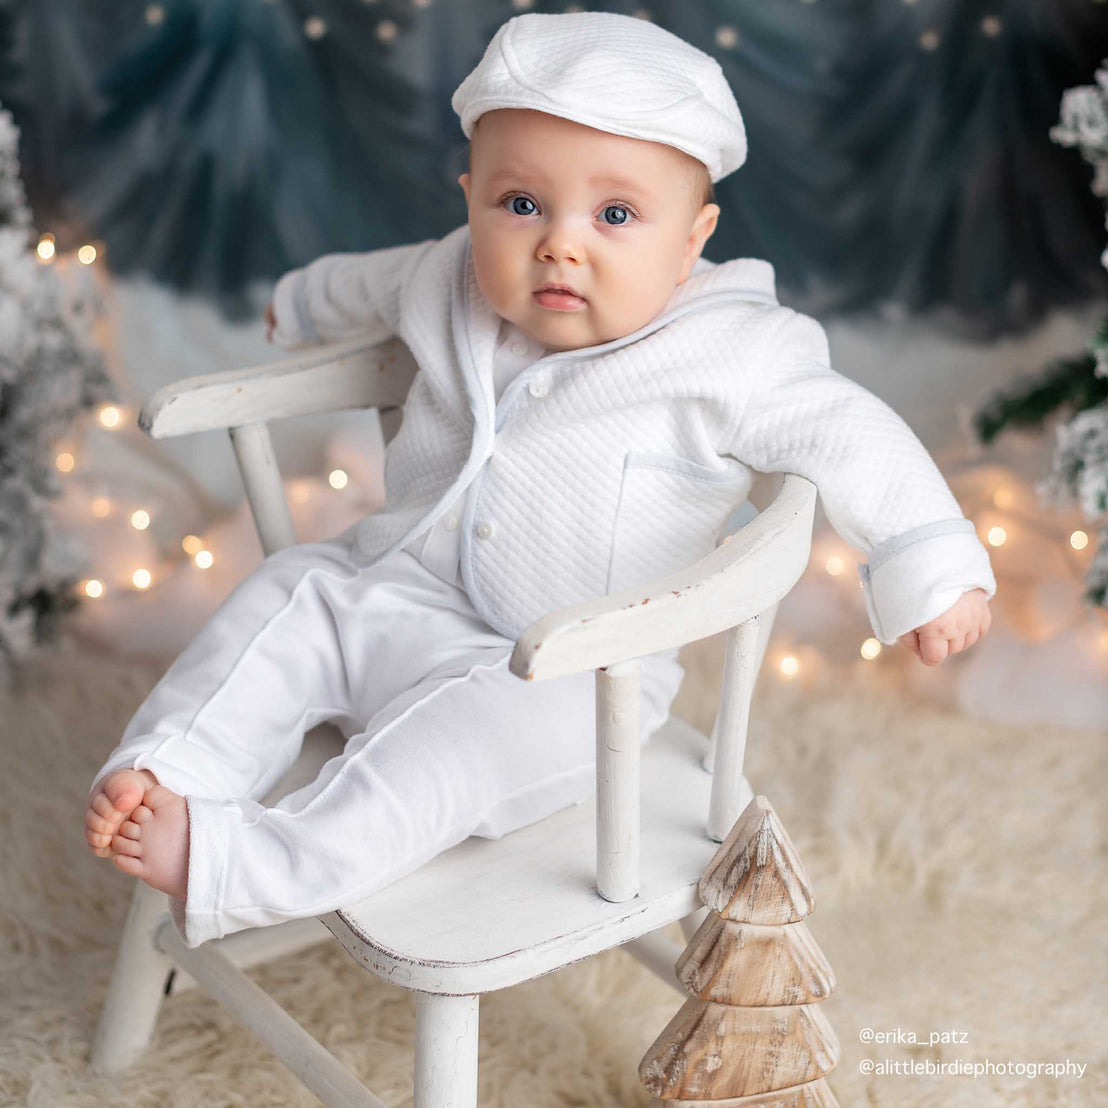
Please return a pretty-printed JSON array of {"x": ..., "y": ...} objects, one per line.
[{"x": 959, "y": 871}]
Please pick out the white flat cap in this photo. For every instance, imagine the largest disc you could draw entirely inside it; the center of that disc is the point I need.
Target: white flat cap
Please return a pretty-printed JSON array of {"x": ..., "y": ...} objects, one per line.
[{"x": 612, "y": 72}]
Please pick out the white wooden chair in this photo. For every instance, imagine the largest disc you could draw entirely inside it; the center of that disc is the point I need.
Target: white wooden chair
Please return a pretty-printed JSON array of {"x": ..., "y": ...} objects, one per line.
[{"x": 486, "y": 914}]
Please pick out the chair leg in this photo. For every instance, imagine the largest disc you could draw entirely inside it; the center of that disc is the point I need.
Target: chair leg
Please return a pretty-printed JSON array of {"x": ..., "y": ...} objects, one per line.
[
  {"x": 446, "y": 1051},
  {"x": 137, "y": 987}
]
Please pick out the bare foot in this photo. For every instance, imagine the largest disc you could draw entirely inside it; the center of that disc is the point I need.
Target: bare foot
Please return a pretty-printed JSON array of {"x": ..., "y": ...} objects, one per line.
[
  {"x": 153, "y": 845},
  {"x": 113, "y": 800}
]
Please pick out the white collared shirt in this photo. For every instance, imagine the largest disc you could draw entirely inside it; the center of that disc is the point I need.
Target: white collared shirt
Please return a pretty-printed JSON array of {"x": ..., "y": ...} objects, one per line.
[{"x": 439, "y": 547}]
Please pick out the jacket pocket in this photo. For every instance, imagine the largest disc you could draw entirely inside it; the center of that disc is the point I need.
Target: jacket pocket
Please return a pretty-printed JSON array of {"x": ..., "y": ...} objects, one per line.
[{"x": 670, "y": 513}]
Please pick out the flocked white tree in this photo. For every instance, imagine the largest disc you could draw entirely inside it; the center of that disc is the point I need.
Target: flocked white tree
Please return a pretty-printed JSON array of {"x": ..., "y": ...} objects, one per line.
[
  {"x": 1079, "y": 467},
  {"x": 49, "y": 372}
]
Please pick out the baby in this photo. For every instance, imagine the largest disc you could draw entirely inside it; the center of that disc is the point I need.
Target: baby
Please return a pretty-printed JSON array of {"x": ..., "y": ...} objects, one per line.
[{"x": 590, "y": 401}]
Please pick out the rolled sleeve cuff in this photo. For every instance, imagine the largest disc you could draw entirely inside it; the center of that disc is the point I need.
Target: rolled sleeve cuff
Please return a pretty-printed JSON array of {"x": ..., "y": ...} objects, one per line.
[
  {"x": 290, "y": 310},
  {"x": 915, "y": 576}
]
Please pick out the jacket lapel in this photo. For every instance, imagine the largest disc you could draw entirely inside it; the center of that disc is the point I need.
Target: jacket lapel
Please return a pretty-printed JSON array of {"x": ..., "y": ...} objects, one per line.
[{"x": 475, "y": 329}]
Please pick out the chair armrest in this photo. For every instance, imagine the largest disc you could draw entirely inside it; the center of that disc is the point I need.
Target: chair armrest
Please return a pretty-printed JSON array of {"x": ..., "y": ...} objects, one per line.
[
  {"x": 746, "y": 574},
  {"x": 351, "y": 374}
]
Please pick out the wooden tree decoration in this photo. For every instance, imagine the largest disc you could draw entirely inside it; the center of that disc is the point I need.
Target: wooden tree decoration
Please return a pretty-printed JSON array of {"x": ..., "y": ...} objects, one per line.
[{"x": 750, "y": 1036}]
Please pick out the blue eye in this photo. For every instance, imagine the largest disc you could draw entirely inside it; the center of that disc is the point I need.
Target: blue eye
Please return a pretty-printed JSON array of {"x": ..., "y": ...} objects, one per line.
[{"x": 524, "y": 205}]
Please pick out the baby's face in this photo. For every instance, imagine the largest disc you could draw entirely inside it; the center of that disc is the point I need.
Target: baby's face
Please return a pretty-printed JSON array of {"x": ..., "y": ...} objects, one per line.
[{"x": 551, "y": 201}]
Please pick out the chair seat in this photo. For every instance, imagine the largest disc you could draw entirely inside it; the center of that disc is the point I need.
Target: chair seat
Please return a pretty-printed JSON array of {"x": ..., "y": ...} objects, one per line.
[{"x": 489, "y": 913}]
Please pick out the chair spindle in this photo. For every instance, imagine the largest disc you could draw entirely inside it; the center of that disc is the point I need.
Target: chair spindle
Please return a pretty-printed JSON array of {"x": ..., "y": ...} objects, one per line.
[
  {"x": 739, "y": 671},
  {"x": 617, "y": 780},
  {"x": 262, "y": 480}
]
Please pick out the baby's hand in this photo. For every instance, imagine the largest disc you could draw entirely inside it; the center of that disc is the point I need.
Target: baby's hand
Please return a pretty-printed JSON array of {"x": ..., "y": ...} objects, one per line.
[
  {"x": 270, "y": 323},
  {"x": 959, "y": 627}
]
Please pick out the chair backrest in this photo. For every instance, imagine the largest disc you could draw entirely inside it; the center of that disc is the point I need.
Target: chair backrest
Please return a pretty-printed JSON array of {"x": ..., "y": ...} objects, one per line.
[{"x": 328, "y": 378}]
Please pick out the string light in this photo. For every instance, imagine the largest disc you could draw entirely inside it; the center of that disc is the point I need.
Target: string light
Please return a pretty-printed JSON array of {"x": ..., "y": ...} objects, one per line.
[
  {"x": 154, "y": 15},
  {"x": 337, "y": 479},
  {"x": 298, "y": 492},
  {"x": 835, "y": 565},
  {"x": 191, "y": 544},
  {"x": 727, "y": 37},
  {"x": 141, "y": 578},
  {"x": 86, "y": 255},
  {"x": 101, "y": 507},
  {"x": 109, "y": 415},
  {"x": 140, "y": 519},
  {"x": 789, "y": 665},
  {"x": 1003, "y": 498},
  {"x": 315, "y": 27},
  {"x": 203, "y": 559},
  {"x": 996, "y": 536},
  {"x": 45, "y": 249},
  {"x": 386, "y": 30},
  {"x": 94, "y": 588},
  {"x": 1079, "y": 540},
  {"x": 870, "y": 649},
  {"x": 64, "y": 461},
  {"x": 929, "y": 40}
]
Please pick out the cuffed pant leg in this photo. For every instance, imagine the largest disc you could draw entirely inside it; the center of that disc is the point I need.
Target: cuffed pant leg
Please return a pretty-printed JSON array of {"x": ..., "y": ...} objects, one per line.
[
  {"x": 228, "y": 716},
  {"x": 310, "y": 635},
  {"x": 470, "y": 750}
]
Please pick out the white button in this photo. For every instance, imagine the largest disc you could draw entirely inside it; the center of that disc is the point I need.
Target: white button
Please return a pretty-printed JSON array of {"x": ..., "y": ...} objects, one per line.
[
  {"x": 538, "y": 388},
  {"x": 484, "y": 530},
  {"x": 519, "y": 348},
  {"x": 451, "y": 522}
]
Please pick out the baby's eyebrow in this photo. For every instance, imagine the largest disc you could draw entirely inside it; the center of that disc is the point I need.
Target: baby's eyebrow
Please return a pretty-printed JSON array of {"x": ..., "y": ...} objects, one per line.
[{"x": 519, "y": 173}]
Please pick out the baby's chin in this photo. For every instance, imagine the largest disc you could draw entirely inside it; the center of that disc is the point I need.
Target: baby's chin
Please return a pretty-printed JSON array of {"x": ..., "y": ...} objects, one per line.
[{"x": 576, "y": 331}]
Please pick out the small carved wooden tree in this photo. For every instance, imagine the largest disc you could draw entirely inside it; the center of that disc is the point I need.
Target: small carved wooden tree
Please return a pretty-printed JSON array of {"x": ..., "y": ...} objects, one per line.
[{"x": 750, "y": 1036}]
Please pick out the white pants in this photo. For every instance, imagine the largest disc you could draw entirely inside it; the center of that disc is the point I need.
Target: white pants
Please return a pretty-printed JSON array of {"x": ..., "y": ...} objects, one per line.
[{"x": 442, "y": 741}]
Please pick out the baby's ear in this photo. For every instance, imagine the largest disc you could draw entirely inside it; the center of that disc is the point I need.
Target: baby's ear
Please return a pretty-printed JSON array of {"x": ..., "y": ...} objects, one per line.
[
  {"x": 702, "y": 228},
  {"x": 706, "y": 221},
  {"x": 463, "y": 180}
]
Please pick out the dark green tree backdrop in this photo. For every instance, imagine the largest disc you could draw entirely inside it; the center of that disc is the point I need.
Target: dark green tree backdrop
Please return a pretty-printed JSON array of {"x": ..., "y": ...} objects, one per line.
[{"x": 898, "y": 150}]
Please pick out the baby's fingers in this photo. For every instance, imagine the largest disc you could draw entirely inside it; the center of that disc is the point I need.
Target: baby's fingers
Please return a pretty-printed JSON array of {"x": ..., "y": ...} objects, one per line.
[
  {"x": 910, "y": 639},
  {"x": 933, "y": 649}
]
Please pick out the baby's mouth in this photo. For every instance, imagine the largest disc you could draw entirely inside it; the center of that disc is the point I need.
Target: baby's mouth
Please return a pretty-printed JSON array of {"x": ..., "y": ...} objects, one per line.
[{"x": 558, "y": 300}]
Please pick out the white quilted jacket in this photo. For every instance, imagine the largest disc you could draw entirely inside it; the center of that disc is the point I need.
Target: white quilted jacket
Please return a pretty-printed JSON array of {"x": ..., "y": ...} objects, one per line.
[{"x": 611, "y": 465}]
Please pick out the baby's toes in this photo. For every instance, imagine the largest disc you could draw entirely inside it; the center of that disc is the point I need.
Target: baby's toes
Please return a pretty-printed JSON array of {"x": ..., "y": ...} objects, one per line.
[
  {"x": 105, "y": 809},
  {"x": 98, "y": 825},
  {"x": 136, "y": 867},
  {"x": 141, "y": 814},
  {"x": 123, "y": 845},
  {"x": 130, "y": 830},
  {"x": 100, "y": 843},
  {"x": 98, "y": 833},
  {"x": 124, "y": 792}
]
